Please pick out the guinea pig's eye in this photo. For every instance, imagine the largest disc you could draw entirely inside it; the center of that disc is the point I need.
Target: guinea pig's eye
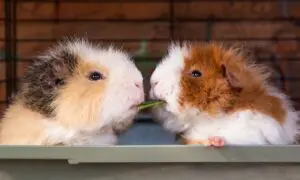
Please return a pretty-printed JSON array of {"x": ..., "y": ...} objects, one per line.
[
  {"x": 95, "y": 76},
  {"x": 196, "y": 73}
]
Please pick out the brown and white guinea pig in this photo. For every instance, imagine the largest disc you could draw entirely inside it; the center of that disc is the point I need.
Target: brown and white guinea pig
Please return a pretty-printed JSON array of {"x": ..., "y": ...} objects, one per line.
[
  {"x": 76, "y": 93},
  {"x": 216, "y": 95}
]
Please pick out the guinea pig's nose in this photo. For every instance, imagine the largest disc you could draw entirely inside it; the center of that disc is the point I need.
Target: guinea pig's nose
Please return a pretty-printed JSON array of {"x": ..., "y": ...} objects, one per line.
[
  {"x": 154, "y": 83},
  {"x": 138, "y": 85}
]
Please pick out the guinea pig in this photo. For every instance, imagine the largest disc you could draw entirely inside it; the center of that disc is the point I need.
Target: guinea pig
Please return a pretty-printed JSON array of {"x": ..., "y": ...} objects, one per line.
[
  {"x": 216, "y": 95},
  {"x": 75, "y": 93}
]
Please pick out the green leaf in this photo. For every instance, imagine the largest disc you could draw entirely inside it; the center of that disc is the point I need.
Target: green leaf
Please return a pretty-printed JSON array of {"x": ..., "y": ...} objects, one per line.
[{"x": 148, "y": 104}]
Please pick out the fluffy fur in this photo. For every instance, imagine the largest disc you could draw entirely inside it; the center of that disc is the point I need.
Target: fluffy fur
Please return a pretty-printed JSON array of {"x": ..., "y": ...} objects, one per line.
[
  {"x": 232, "y": 98},
  {"x": 58, "y": 103}
]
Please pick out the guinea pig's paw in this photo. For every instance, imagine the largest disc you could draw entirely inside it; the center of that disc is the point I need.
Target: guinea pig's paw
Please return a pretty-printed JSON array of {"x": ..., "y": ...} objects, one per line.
[{"x": 215, "y": 141}]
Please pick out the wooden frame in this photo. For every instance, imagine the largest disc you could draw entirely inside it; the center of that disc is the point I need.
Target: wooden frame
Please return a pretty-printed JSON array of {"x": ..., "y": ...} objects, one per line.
[{"x": 154, "y": 154}]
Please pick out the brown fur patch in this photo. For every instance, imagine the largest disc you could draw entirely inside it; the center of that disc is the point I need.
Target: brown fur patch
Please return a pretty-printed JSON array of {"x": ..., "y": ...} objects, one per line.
[
  {"x": 214, "y": 92},
  {"x": 78, "y": 102}
]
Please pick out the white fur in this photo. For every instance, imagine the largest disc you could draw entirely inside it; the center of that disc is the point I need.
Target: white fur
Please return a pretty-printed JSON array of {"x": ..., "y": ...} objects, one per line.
[
  {"x": 240, "y": 128},
  {"x": 56, "y": 134},
  {"x": 121, "y": 92},
  {"x": 291, "y": 124},
  {"x": 165, "y": 78}
]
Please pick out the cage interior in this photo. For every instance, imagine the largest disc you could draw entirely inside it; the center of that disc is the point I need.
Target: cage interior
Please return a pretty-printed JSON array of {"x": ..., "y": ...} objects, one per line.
[{"x": 144, "y": 28}]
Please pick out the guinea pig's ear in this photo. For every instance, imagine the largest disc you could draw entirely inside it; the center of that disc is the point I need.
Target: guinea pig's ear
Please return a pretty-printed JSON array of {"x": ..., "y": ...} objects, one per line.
[{"x": 232, "y": 79}]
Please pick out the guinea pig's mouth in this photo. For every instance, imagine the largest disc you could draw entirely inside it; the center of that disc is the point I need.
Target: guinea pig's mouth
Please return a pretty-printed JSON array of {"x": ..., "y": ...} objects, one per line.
[
  {"x": 134, "y": 107},
  {"x": 158, "y": 99},
  {"x": 154, "y": 97}
]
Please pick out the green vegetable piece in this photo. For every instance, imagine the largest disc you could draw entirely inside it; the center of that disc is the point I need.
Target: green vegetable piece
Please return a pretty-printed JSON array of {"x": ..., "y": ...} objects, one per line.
[{"x": 148, "y": 104}]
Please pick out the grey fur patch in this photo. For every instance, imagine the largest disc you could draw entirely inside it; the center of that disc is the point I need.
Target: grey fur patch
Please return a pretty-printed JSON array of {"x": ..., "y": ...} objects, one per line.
[{"x": 40, "y": 84}]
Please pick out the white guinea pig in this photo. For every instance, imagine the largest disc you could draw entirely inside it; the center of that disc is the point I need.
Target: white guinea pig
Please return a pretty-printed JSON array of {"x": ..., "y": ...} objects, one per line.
[
  {"x": 215, "y": 96},
  {"x": 76, "y": 93}
]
